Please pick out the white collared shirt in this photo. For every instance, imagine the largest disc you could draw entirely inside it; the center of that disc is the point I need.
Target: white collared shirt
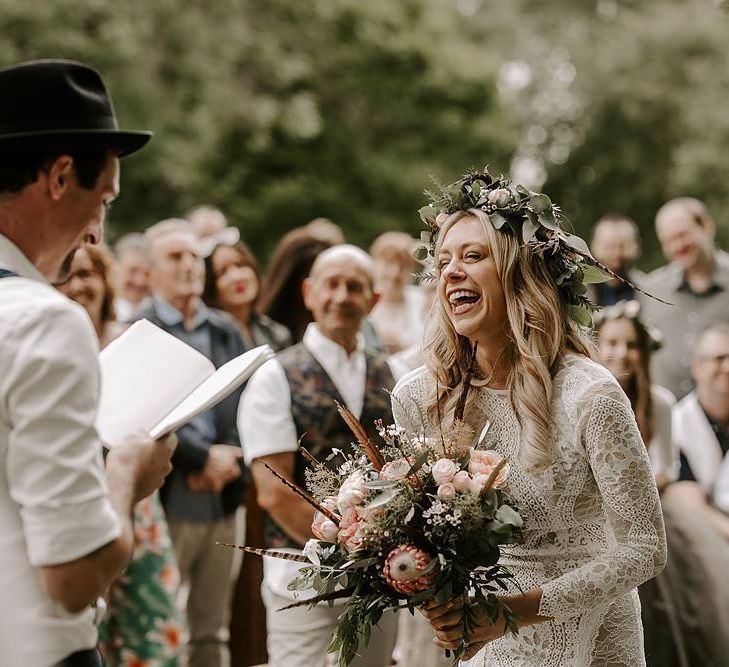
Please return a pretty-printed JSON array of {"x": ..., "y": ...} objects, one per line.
[
  {"x": 266, "y": 425},
  {"x": 54, "y": 506}
]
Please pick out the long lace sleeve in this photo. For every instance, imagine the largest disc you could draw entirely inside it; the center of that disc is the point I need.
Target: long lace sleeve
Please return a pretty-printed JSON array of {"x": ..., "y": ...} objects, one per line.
[
  {"x": 408, "y": 401},
  {"x": 636, "y": 535}
]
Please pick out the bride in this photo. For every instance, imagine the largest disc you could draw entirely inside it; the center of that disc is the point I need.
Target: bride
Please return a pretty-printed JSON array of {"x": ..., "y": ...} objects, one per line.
[{"x": 510, "y": 285}]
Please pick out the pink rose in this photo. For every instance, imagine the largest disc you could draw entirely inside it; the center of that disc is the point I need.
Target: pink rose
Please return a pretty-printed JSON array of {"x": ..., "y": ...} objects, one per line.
[
  {"x": 444, "y": 470},
  {"x": 396, "y": 470},
  {"x": 462, "y": 481},
  {"x": 477, "y": 483},
  {"x": 350, "y": 534},
  {"x": 483, "y": 462},
  {"x": 446, "y": 492},
  {"x": 323, "y": 527}
]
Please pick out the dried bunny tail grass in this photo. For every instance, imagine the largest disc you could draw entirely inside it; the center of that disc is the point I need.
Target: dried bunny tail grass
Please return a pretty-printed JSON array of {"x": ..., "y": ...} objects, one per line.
[
  {"x": 459, "y": 439},
  {"x": 370, "y": 448}
]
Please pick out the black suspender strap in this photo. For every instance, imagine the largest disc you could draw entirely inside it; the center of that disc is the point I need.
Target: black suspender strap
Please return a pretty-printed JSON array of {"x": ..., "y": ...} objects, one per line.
[{"x": 4, "y": 273}]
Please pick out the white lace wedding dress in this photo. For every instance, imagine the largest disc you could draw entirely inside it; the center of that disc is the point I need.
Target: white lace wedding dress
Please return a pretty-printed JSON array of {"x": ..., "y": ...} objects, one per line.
[{"x": 593, "y": 523}]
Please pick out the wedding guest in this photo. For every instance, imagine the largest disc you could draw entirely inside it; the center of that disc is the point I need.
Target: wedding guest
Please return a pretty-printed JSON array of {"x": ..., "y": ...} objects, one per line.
[
  {"x": 90, "y": 284},
  {"x": 132, "y": 285},
  {"x": 233, "y": 284},
  {"x": 625, "y": 344},
  {"x": 685, "y": 604},
  {"x": 66, "y": 529},
  {"x": 696, "y": 282},
  {"x": 579, "y": 471},
  {"x": 398, "y": 315},
  {"x": 281, "y": 297},
  {"x": 291, "y": 400},
  {"x": 325, "y": 229},
  {"x": 615, "y": 243},
  {"x": 142, "y": 622},
  {"x": 701, "y": 420},
  {"x": 205, "y": 488}
]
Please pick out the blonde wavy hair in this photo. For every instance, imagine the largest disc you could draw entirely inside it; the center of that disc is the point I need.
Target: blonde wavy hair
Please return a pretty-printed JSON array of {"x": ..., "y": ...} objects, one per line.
[{"x": 540, "y": 332}]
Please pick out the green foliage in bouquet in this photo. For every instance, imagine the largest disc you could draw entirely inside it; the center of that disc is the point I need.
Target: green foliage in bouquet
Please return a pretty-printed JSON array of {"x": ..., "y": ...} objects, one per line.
[{"x": 417, "y": 520}]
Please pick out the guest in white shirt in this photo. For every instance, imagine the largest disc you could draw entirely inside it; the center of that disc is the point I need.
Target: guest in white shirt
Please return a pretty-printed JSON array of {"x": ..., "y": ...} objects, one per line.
[
  {"x": 65, "y": 525},
  {"x": 293, "y": 397}
]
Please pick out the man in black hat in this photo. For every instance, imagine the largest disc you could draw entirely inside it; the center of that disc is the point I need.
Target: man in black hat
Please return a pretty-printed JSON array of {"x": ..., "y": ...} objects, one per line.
[{"x": 65, "y": 523}]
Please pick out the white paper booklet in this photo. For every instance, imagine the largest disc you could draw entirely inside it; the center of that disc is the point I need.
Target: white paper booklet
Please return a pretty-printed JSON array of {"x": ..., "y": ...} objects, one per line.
[{"x": 152, "y": 382}]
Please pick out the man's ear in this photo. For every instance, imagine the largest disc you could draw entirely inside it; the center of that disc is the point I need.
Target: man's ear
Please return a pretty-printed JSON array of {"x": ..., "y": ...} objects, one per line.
[
  {"x": 60, "y": 174},
  {"x": 373, "y": 301},
  {"x": 305, "y": 291}
]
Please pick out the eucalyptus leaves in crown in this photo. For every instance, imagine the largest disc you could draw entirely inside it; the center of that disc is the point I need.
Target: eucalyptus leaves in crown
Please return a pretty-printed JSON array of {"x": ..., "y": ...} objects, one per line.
[{"x": 533, "y": 219}]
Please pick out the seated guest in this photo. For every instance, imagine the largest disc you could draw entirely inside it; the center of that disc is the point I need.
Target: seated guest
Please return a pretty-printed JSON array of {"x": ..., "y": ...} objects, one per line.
[
  {"x": 615, "y": 243},
  {"x": 696, "y": 281},
  {"x": 625, "y": 344},
  {"x": 132, "y": 284},
  {"x": 205, "y": 488},
  {"x": 685, "y": 608},
  {"x": 233, "y": 284},
  {"x": 398, "y": 315},
  {"x": 132, "y": 629},
  {"x": 291, "y": 399},
  {"x": 701, "y": 419}
]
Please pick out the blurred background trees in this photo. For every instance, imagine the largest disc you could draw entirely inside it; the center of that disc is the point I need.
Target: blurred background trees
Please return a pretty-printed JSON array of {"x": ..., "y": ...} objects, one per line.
[{"x": 279, "y": 112}]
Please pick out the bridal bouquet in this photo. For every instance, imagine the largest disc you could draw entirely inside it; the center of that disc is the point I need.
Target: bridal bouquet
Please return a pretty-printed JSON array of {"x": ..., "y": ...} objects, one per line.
[{"x": 419, "y": 518}]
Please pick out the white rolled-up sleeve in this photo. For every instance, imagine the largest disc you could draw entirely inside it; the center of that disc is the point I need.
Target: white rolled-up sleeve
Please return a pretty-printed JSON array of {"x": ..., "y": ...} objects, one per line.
[
  {"x": 265, "y": 423},
  {"x": 54, "y": 461}
]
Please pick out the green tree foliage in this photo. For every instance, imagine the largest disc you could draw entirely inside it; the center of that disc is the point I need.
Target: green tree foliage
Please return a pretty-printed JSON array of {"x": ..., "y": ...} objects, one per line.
[{"x": 279, "y": 111}]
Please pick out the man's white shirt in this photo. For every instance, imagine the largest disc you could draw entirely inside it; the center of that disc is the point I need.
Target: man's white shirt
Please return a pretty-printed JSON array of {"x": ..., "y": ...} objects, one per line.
[
  {"x": 54, "y": 506},
  {"x": 266, "y": 425}
]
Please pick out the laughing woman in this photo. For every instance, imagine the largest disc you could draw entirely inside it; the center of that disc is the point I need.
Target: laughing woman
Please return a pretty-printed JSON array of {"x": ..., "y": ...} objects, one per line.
[{"x": 511, "y": 286}]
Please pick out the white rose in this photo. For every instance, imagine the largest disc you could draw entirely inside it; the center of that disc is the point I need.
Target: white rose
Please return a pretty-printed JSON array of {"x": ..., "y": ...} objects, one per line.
[
  {"x": 444, "y": 470},
  {"x": 446, "y": 492},
  {"x": 352, "y": 492},
  {"x": 477, "y": 483},
  {"x": 462, "y": 481},
  {"x": 499, "y": 197}
]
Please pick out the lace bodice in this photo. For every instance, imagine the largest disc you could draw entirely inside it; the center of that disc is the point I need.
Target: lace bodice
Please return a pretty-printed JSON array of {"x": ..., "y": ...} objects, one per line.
[{"x": 593, "y": 524}]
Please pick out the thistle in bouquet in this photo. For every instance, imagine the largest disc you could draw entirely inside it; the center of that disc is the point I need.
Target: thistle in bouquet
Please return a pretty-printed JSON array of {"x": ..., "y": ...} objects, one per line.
[{"x": 417, "y": 519}]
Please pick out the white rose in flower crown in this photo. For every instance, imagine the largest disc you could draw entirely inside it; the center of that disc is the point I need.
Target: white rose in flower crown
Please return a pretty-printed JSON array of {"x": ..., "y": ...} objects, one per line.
[
  {"x": 483, "y": 461},
  {"x": 444, "y": 470},
  {"x": 352, "y": 492},
  {"x": 446, "y": 492},
  {"x": 462, "y": 481},
  {"x": 499, "y": 197}
]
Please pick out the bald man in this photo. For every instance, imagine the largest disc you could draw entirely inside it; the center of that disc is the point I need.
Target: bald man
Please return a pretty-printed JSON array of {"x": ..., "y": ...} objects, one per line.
[
  {"x": 294, "y": 397},
  {"x": 696, "y": 280}
]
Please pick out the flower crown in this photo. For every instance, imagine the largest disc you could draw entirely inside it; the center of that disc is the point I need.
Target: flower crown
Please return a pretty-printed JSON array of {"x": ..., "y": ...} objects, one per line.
[
  {"x": 532, "y": 219},
  {"x": 631, "y": 310}
]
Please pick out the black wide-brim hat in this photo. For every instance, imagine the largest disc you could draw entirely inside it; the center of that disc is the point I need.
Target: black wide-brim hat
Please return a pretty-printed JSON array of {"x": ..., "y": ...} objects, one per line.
[{"x": 51, "y": 105}]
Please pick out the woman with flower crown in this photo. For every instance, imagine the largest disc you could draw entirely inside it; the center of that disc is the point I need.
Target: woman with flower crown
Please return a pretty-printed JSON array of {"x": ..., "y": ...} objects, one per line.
[
  {"x": 685, "y": 609},
  {"x": 510, "y": 298}
]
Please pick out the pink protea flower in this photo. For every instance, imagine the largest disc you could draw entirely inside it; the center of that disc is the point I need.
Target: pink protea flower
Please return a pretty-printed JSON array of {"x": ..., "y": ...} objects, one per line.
[{"x": 404, "y": 568}]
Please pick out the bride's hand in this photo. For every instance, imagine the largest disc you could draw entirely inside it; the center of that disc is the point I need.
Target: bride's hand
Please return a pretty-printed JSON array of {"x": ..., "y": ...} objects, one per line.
[{"x": 446, "y": 621}]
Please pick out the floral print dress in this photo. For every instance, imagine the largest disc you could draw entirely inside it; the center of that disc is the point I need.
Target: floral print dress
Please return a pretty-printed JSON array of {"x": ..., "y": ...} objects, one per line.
[{"x": 143, "y": 626}]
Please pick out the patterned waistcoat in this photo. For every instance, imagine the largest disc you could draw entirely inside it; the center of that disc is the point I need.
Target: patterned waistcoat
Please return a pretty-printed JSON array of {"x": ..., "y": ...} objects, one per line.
[{"x": 318, "y": 424}]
